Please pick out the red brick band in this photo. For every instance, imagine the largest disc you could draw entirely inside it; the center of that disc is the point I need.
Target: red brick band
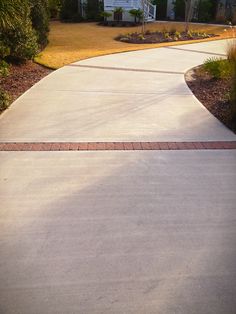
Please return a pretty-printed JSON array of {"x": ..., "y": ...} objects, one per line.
[{"x": 98, "y": 146}]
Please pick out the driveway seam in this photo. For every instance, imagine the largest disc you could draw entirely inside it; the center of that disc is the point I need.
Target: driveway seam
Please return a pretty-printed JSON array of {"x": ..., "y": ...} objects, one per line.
[{"x": 123, "y": 69}]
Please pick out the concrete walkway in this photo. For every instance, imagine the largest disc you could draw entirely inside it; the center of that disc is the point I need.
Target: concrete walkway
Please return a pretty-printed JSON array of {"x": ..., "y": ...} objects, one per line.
[
  {"x": 134, "y": 232},
  {"x": 134, "y": 96}
]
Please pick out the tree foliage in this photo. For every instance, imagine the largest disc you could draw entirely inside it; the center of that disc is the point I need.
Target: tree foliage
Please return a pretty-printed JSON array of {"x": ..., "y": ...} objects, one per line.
[
  {"x": 40, "y": 19},
  {"x": 70, "y": 11},
  {"x": 93, "y": 9}
]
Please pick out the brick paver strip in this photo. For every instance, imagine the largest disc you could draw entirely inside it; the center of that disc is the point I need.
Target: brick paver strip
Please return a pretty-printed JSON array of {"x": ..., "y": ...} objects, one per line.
[{"x": 96, "y": 146}]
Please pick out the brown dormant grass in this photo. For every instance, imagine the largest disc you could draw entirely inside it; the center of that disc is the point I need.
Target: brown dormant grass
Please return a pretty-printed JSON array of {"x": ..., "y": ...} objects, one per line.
[{"x": 72, "y": 42}]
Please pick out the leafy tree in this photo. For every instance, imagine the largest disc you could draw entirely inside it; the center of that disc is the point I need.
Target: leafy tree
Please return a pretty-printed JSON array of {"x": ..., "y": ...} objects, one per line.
[
  {"x": 93, "y": 9},
  {"x": 161, "y": 8},
  {"x": 205, "y": 10},
  {"x": 70, "y": 10},
  {"x": 179, "y": 9}
]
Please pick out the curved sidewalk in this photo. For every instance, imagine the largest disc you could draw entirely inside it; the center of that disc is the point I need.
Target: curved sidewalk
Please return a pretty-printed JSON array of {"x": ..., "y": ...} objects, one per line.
[{"x": 134, "y": 96}]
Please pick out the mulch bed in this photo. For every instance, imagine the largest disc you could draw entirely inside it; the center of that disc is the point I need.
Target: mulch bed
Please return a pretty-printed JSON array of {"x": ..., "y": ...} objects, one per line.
[
  {"x": 161, "y": 37},
  {"x": 22, "y": 77},
  {"x": 213, "y": 94}
]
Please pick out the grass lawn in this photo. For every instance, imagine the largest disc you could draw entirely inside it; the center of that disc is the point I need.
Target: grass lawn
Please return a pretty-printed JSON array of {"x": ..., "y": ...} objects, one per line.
[{"x": 72, "y": 42}]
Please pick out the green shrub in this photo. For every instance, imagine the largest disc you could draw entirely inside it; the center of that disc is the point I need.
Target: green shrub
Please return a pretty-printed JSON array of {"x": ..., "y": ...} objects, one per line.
[
  {"x": 17, "y": 38},
  {"x": 4, "y": 100},
  {"x": 4, "y": 68},
  {"x": 40, "y": 20},
  {"x": 21, "y": 42},
  {"x": 218, "y": 68}
]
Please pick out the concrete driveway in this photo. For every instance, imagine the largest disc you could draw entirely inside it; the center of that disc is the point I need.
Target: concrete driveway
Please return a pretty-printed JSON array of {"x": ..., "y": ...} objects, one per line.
[
  {"x": 141, "y": 232},
  {"x": 134, "y": 96}
]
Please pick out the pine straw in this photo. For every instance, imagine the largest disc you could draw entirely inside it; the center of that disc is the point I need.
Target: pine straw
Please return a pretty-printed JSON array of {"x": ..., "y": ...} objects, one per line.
[{"x": 72, "y": 42}]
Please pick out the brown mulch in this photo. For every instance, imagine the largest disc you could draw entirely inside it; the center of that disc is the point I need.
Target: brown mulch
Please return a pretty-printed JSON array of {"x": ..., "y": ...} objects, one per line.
[
  {"x": 213, "y": 94},
  {"x": 159, "y": 37},
  {"x": 22, "y": 77}
]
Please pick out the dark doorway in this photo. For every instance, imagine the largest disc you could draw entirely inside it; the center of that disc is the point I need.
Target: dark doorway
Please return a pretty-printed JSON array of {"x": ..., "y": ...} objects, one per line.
[
  {"x": 118, "y": 16},
  {"x": 161, "y": 9}
]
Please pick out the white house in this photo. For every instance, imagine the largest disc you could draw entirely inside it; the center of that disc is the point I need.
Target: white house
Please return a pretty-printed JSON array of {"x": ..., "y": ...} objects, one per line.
[
  {"x": 225, "y": 8},
  {"x": 145, "y": 5}
]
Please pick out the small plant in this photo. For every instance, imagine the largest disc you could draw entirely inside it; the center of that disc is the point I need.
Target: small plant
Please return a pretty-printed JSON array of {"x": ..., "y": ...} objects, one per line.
[
  {"x": 4, "y": 68},
  {"x": 4, "y": 100},
  {"x": 141, "y": 37},
  {"x": 166, "y": 35},
  {"x": 177, "y": 35},
  {"x": 190, "y": 34}
]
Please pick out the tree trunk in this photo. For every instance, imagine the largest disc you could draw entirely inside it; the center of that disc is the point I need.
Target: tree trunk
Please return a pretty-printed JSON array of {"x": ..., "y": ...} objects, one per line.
[
  {"x": 188, "y": 13},
  {"x": 143, "y": 18}
]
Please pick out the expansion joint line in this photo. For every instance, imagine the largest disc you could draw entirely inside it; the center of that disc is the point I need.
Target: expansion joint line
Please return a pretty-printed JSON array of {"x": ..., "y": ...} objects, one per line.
[{"x": 123, "y": 69}]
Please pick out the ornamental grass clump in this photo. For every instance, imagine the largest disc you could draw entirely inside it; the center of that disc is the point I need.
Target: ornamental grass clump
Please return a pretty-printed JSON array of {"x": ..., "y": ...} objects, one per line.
[{"x": 231, "y": 55}]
